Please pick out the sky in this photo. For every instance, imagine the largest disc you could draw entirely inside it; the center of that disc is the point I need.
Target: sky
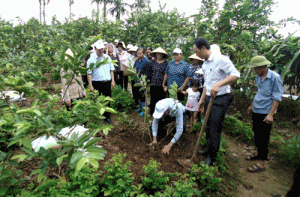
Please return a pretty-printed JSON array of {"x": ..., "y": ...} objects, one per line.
[{"x": 10, "y": 9}]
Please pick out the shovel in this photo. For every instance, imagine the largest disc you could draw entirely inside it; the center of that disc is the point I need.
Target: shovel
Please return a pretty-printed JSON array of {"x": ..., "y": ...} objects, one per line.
[{"x": 189, "y": 162}]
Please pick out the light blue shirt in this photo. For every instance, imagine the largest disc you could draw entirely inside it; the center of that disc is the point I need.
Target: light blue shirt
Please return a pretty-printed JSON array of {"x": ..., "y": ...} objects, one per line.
[
  {"x": 269, "y": 89},
  {"x": 103, "y": 72},
  {"x": 116, "y": 49},
  {"x": 217, "y": 68},
  {"x": 176, "y": 110},
  {"x": 177, "y": 72}
]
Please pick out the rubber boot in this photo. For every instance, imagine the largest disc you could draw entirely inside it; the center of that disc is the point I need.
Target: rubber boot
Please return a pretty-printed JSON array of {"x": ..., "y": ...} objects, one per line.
[
  {"x": 143, "y": 105},
  {"x": 140, "y": 106}
]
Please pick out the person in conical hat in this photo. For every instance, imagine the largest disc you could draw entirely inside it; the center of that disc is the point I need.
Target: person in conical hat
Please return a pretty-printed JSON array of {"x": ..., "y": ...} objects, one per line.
[
  {"x": 196, "y": 71},
  {"x": 156, "y": 71},
  {"x": 263, "y": 108}
]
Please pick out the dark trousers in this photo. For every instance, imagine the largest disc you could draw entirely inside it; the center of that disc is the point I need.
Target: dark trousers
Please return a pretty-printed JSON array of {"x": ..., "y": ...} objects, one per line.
[
  {"x": 262, "y": 132},
  {"x": 157, "y": 94},
  {"x": 166, "y": 120},
  {"x": 295, "y": 190},
  {"x": 103, "y": 87},
  {"x": 215, "y": 122},
  {"x": 121, "y": 79},
  {"x": 180, "y": 96},
  {"x": 137, "y": 94}
]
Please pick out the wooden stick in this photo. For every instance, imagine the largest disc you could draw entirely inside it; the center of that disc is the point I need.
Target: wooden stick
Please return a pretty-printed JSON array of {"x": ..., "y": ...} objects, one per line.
[{"x": 203, "y": 127}]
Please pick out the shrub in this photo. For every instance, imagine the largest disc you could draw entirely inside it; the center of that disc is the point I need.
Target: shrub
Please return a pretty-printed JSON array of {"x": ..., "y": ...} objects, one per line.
[
  {"x": 117, "y": 181},
  {"x": 291, "y": 150},
  {"x": 154, "y": 179},
  {"x": 10, "y": 183},
  {"x": 236, "y": 127},
  {"x": 122, "y": 100}
]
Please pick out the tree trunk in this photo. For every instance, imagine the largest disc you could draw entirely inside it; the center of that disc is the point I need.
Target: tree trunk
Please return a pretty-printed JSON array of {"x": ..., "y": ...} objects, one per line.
[
  {"x": 44, "y": 11},
  {"x": 104, "y": 10},
  {"x": 40, "y": 1},
  {"x": 70, "y": 6},
  {"x": 98, "y": 13},
  {"x": 118, "y": 16}
]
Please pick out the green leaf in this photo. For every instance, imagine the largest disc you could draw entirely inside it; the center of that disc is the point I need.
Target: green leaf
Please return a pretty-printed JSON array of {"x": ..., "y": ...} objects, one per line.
[
  {"x": 76, "y": 156},
  {"x": 110, "y": 110},
  {"x": 94, "y": 163},
  {"x": 102, "y": 110},
  {"x": 26, "y": 142},
  {"x": 94, "y": 155},
  {"x": 35, "y": 172},
  {"x": 81, "y": 163},
  {"x": 60, "y": 159},
  {"x": 21, "y": 157},
  {"x": 37, "y": 112},
  {"x": 91, "y": 142},
  {"x": 40, "y": 177},
  {"x": 96, "y": 149}
]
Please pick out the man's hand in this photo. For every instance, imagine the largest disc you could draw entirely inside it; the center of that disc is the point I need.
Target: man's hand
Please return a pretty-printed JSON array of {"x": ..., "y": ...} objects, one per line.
[
  {"x": 201, "y": 105},
  {"x": 180, "y": 89},
  {"x": 152, "y": 143},
  {"x": 113, "y": 84},
  {"x": 249, "y": 109},
  {"x": 214, "y": 91},
  {"x": 92, "y": 89},
  {"x": 166, "y": 149},
  {"x": 165, "y": 88},
  {"x": 268, "y": 119}
]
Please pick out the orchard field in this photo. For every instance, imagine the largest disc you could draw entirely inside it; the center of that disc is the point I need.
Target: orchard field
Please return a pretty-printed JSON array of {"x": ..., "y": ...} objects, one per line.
[{"x": 117, "y": 161}]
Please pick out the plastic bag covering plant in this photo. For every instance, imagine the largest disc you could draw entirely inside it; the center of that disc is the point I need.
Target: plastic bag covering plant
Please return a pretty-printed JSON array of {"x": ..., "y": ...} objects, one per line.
[
  {"x": 117, "y": 180},
  {"x": 154, "y": 179}
]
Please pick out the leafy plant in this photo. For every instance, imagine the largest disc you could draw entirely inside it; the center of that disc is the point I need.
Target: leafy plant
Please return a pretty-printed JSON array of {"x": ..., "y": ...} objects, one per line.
[
  {"x": 122, "y": 100},
  {"x": 291, "y": 150},
  {"x": 117, "y": 181},
  {"x": 154, "y": 179}
]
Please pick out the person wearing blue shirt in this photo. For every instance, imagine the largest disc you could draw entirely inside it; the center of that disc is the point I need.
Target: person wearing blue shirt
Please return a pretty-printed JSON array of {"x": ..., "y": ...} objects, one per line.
[
  {"x": 265, "y": 103},
  {"x": 167, "y": 110},
  {"x": 101, "y": 78},
  {"x": 138, "y": 65},
  {"x": 178, "y": 71}
]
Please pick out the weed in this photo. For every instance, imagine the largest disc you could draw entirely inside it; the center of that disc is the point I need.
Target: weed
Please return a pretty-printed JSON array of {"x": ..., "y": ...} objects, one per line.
[
  {"x": 291, "y": 150},
  {"x": 122, "y": 100}
]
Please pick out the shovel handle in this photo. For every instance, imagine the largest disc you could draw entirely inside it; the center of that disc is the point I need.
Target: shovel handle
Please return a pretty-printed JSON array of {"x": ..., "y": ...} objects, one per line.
[{"x": 211, "y": 101}]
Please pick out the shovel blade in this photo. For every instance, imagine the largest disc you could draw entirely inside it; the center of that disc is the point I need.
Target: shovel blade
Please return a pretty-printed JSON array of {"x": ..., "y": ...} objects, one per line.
[{"x": 185, "y": 163}]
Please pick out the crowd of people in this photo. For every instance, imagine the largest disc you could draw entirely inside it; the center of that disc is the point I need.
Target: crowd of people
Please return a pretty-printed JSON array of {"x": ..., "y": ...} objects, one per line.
[{"x": 209, "y": 75}]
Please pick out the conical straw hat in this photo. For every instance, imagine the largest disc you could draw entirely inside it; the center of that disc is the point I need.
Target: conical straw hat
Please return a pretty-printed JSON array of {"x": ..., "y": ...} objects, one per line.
[
  {"x": 160, "y": 50},
  {"x": 194, "y": 56}
]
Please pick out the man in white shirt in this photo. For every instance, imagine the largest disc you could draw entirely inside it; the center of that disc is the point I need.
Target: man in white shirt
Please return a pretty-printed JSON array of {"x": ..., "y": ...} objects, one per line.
[
  {"x": 174, "y": 109},
  {"x": 219, "y": 72},
  {"x": 102, "y": 78}
]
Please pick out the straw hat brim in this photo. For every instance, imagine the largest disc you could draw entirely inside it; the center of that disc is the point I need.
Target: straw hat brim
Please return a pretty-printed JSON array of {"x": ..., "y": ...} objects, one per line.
[
  {"x": 194, "y": 56},
  {"x": 159, "y": 50},
  {"x": 264, "y": 63},
  {"x": 133, "y": 49}
]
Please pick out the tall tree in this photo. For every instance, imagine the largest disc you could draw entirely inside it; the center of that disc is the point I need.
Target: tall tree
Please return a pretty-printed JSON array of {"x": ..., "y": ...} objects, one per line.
[
  {"x": 40, "y": 2},
  {"x": 138, "y": 6},
  {"x": 119, "y": 8},
  {"x": 105, "y": 3},
  {"x": 71, "y": 2}
]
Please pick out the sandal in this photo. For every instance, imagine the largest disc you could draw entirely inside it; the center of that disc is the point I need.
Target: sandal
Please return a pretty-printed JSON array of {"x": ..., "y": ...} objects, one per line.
[
  {"x": 252, "y": 157},
  {"x": 256, "y": 168}
]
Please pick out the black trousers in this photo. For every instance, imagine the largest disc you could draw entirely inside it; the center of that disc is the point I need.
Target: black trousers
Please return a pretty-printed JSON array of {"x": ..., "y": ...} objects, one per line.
[
  {"x": 157, "y": 94},
  {"x": 161, "y": 132},
  {"x": 215, "y": 122},
  {"x": 137, "y": 94},
  {"x": 180, "y": 96},
  {"x": 295, "y": 190},
  {"x": 121, "y": 79},
  {"x": 103, "y": 87},
  {"x": 262, "y": 132}
]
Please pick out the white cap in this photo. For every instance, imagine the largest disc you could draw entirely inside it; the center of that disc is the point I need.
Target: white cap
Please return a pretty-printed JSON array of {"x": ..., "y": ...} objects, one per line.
[
  {"x": 215, "y": 48},
  {"x": 116, "y": 40},
  {"x": 99, "y": 44},
  {"x": 177, "y": 50},
  {"x": 105, "y": 43},
  {"x": 160, "y": 108},
  {"x": 129, "y": 46}
]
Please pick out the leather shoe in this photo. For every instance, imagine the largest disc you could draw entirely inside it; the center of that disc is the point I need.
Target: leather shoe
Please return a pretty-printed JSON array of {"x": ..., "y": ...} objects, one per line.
[
  {"x": 203, "y": 151},
  {"x": 108, "y": 120}
]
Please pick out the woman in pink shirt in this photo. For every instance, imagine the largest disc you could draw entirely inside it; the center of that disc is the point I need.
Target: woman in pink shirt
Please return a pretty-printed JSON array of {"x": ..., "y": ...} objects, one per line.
[{"x": 123, "y": 58}]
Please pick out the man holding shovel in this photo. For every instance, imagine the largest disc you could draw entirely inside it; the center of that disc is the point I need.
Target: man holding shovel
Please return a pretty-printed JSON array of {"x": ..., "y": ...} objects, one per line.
[
  {"x": 174, "y": 109},
  {"x": 219, "y": 72},
  {"x": 265, "y": 103}
]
